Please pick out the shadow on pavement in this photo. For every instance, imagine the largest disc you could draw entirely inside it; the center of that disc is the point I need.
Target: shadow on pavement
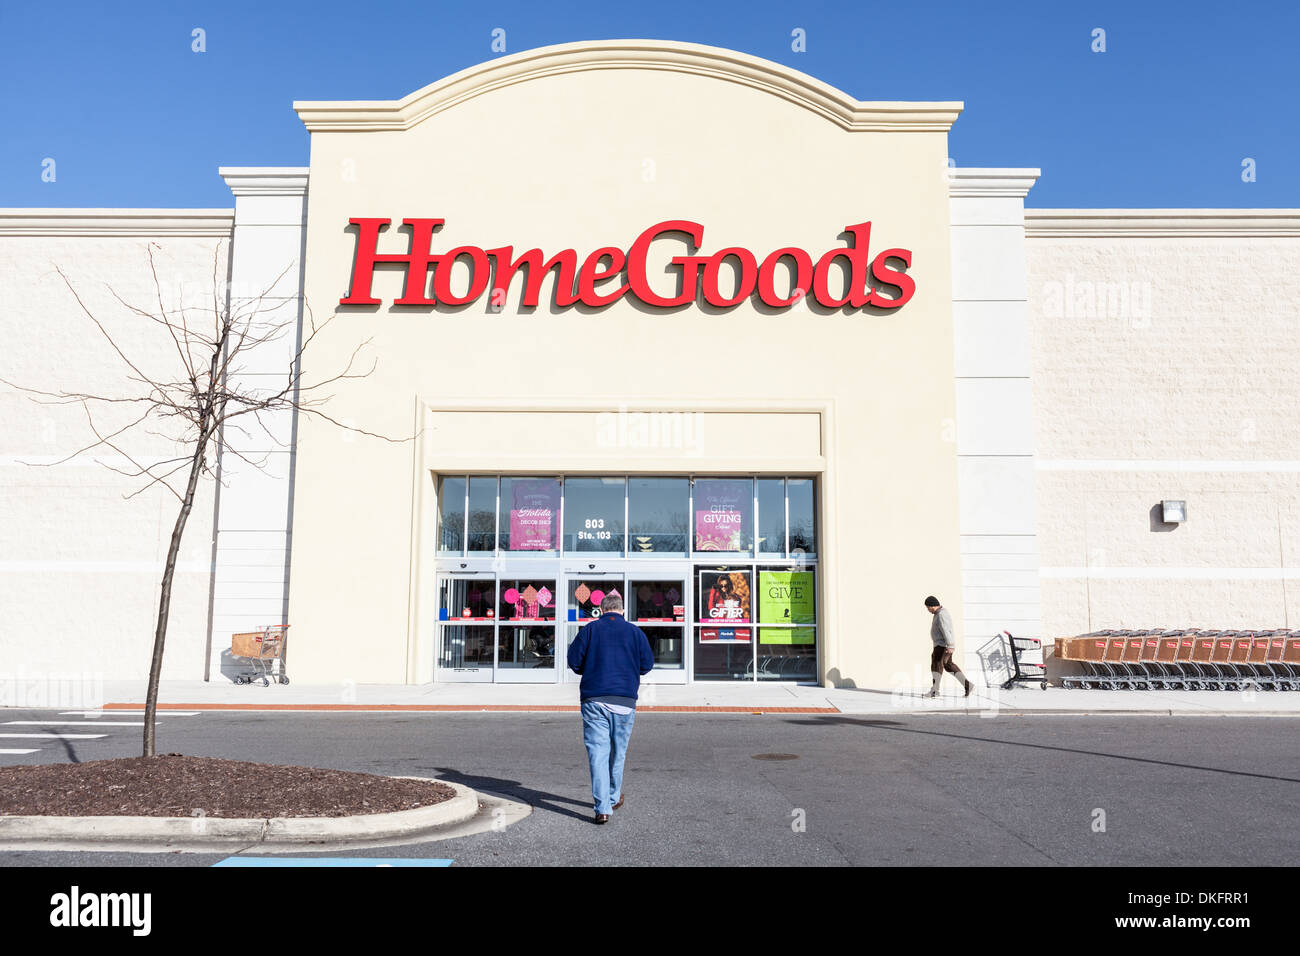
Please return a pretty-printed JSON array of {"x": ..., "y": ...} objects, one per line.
[
  {"x": 71, "y": 751},
  {"x": 514, "y": 790},
  {"x": 893, "y": 725}
]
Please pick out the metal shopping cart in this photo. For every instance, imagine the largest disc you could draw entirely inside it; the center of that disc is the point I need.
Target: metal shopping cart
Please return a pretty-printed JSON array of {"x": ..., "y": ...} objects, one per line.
[
  {"x": 1166, "y": 673},
  {"x": 1091, "y": 653},
  {"x": 261, "y": 649},
  {"x": 1026, "y": 661}
]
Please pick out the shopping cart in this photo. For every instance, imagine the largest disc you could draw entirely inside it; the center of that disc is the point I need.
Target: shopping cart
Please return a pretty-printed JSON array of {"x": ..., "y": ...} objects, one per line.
[
  {"x": 1291, "y": 660},
  {"x": 1116, "y": 675},
  {"x": 1092, "y": 648},
  {"x": 1239, "y": 660},
  {"x": 1022, "y": 669},
  {"x": 1277, "y": 671},
  {"x": 1184, "y": 659},
  {"x": 1137, "y": 675},
  {"x": 1203, "y": 674},
  {"x": 1167, "y": 674},
  {"x": 261, "y": 649}
]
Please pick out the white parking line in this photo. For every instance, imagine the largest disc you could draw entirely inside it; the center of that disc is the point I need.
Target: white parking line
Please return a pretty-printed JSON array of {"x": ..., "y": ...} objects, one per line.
[
  {"x": 76, "y": 723},
  {"x": 57, "y": 736},
  {"x": 6, "y": 750}
]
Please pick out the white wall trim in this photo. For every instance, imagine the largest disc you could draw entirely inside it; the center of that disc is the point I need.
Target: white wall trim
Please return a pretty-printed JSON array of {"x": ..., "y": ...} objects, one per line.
[
  {"x": 101, "y": 567},
  {"x": 690, "y": 58},
  {"x": 1134, "y": 464},
  {"x": 265, "y": 180},
  {"x": 1172, "y": 574},
  {"x": 216, "y": 223},
  {"x": 981, "y": 183},
  {"x": 1161, "y": 223}
]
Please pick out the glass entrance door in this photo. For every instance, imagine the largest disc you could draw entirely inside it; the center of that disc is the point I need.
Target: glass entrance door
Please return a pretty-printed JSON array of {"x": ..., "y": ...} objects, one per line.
[
  {"x": 526, "y": 638},
  {"x": 584, "y": 591},
  {"x": 657, "y": 603},
  {"x": 466, "y": 627},
  {"x": 497, "y": 628}
]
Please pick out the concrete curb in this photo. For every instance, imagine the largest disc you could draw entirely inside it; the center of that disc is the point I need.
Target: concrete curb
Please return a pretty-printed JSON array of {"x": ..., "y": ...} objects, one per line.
[
  {"x": 165, "y": 833},
  {"x": 110, "y": 709},
  {"x": 977, "y": 706}
]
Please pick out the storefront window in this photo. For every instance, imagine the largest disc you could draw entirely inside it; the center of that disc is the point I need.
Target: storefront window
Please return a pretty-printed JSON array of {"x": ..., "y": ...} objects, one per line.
[
  {"x": 771, "y": 516},
  {"x": 529, "y": 514},
  {"x": 593, "y": 515},
  {"x": 526, "y": 648},
  {"x": 585, "y": 595},
  {"x": 451, "y": 515},
  {"x": 787, "y": 618},
  {"x": 531, "y": 601},
  {"x": 658, "y": 607},
  {"x": 803, "y": 510},
  {"x": 724, "y": 515},
  {"x": 466, "y": 648},
  {"x": 463, "y": 599},
  {"x": 724, "y": 637},
  {"x": 720, "y": 573},
  {"x": 482, "y": 514},
  {"x": 526, "y": 610},
  {"x": 657, "y": 516}
]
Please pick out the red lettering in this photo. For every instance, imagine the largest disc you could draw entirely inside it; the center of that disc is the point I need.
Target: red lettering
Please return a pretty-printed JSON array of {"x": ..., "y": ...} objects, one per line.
[
  {"x": 418, "y": 261},
  {"x": 573, "y": 284},
  {"x": 478, "y": 278},
  {"x": 896, "y": 278},
  {"x": 744, "y": 286},
  {"x": 857, "y": 253},
  {"x": 803, "y": 277},
  {"x": 636, "y": 263},
  {"x": 565, "y": 263},
  {"x": 591, "y": 273}
]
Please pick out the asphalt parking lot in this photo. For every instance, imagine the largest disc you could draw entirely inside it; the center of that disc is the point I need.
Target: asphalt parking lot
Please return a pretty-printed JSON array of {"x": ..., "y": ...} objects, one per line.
[{"x": 843, "y": 790}]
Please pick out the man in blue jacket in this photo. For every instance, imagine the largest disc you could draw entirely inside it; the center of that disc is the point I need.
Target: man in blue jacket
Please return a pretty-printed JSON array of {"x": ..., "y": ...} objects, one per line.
[{"x": 611, "y": 655}]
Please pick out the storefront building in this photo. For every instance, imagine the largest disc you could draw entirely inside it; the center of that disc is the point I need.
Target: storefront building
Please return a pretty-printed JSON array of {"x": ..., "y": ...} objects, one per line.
[{"x": 687, "y": 325}]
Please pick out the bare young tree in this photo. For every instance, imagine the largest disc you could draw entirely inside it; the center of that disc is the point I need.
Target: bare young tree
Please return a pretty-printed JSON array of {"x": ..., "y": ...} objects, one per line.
[{"x": 201, "y": 404}]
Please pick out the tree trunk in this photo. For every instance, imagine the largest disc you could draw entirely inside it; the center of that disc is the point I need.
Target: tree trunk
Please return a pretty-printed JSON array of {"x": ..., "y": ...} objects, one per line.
[{"x": 164, "y": 605}]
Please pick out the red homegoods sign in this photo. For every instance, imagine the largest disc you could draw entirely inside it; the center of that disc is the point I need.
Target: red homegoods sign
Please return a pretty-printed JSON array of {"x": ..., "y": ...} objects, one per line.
[{"x": 576, "y": 282}]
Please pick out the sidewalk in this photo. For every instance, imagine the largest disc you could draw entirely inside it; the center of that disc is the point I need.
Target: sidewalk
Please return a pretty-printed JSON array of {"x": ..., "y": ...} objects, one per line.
[{"x": 701, "y": 697}]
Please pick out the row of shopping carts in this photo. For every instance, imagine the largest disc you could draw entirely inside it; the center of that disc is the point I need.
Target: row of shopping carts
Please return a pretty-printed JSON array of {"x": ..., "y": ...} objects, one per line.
[{"x": 1184, "y": 660}]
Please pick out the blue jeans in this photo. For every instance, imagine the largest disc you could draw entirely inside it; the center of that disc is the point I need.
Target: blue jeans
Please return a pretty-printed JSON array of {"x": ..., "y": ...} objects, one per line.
[{"x": 606, "y": 735}]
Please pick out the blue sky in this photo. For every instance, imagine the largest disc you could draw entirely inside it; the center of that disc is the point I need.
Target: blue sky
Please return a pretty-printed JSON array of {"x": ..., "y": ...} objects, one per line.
[{"x": 1184, "y": 92}]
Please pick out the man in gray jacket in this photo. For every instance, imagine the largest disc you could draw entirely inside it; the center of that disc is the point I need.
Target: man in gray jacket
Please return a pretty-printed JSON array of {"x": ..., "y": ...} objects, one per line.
[{"x": 945, "y": 643}]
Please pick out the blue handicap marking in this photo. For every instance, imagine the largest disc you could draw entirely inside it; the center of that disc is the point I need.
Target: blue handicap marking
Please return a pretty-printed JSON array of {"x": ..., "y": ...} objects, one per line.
[{"x": 328, "y": 861}]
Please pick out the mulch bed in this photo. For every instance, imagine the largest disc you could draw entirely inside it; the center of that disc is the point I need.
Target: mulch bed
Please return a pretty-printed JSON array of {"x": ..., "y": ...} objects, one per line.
[{"x": 173, "y": 785}]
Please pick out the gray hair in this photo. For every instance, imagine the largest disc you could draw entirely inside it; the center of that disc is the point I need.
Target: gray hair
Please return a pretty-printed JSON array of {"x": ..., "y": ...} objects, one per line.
[{"x": 611, "y": 602}]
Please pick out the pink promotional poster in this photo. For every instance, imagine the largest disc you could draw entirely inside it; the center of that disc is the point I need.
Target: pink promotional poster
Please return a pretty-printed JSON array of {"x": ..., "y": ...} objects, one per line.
[
  {"x": 533, "y": 515},
  {"x": 720, "y": 511}
]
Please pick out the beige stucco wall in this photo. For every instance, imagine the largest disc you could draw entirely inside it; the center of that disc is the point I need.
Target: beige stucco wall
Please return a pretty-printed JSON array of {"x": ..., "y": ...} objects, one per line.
[
  {"x": 591, "y": 158},
  {"x": 1164, "y": 367},
  {"x": 80, "y": 565}
]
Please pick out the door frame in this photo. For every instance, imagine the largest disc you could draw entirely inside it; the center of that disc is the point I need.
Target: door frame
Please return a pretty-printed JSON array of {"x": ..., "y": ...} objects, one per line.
[
  {"x": 477, "y": 675},
  {"x": 603, "y": 570},
  {"x": 673, "y": 569}
]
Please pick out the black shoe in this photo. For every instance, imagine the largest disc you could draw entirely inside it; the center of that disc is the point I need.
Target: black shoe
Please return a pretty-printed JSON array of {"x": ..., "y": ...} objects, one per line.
[
  {"x": 970, "y": 686},
  {"x": 601, "y": 818}
]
